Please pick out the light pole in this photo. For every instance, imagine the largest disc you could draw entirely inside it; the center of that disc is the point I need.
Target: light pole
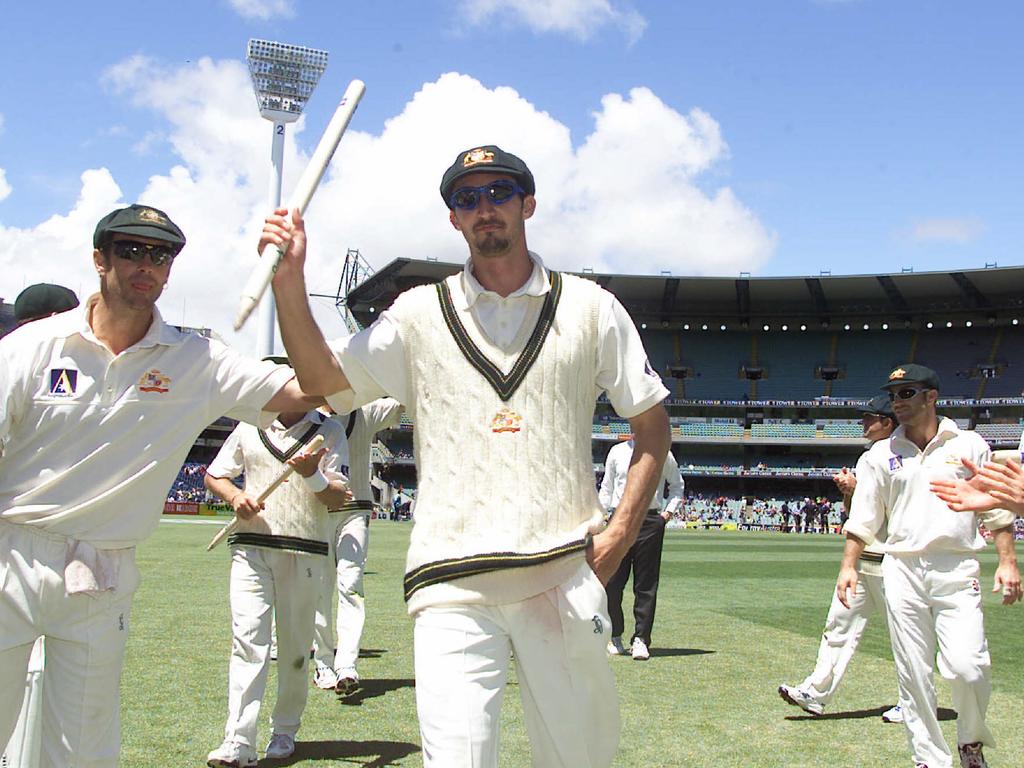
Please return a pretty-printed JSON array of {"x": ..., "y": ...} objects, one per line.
[{"x": 283, "y": 77}]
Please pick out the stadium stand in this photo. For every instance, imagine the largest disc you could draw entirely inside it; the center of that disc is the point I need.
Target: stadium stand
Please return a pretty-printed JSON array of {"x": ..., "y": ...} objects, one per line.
[
  {"x": 751, "y": 443},
  {"x": 866, "y": 358},
  {"x": 1000, "y": 433},
  {"x": 1007, "y": 357},
  {"x": 955, "y": 354},
  {"x": 789, "y": 359},
  {"x": 715, "y": 358}
]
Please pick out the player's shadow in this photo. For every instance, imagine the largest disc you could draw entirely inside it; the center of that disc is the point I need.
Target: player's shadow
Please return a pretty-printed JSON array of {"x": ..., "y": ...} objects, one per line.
[
  {"x": 372, "y": 653},
  {"x": 377, "y": 753},
  {"x": 944, "y": 713},
  {"x": 656, "y": 652},
  {"x": 372, "y": 688}
]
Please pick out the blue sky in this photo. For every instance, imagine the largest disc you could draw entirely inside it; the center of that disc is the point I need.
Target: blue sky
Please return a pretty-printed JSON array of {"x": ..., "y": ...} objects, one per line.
[{"x": 777, "y": 137}]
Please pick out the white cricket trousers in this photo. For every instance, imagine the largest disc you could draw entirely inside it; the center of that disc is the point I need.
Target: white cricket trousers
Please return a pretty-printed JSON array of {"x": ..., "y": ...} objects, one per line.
[
  {"x": 844, "y": 628},
  {"x": 85, "y": 640},
  {"x": 935, "y": 602},
  {"x": 349, "y": 542},
  {"x": 263, "y": 580},
  {"x": 568, "y": 691}
]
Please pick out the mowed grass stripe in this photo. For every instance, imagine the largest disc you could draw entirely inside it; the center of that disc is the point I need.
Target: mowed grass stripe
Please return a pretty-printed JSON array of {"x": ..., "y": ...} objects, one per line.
[{"x": 738, "y": 614}]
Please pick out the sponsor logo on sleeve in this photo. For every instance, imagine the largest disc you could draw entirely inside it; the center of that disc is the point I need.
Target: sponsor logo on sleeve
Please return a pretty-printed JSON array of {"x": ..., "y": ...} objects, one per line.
[{"x": 895, "y": 463}]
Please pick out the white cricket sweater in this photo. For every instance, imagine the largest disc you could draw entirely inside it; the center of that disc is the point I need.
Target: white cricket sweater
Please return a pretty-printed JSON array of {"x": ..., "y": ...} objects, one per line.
[
  {"x": 293, "y": 519},
  {"x": 502, "y": 440}
]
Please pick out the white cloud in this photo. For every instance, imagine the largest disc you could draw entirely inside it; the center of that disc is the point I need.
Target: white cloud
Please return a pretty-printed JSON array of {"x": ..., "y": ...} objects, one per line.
[
  {"x": 5, "y": 188},
  {"x": 579, "y": 18},
  {"x": 947, "y": 230},
  {"x": 59, "y": 249},
  {"x": 626, "y": 200},
  {"x": 263, "y": 9}
]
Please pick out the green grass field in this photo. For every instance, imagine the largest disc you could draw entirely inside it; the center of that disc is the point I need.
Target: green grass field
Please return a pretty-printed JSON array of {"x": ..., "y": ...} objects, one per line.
[{"x": 738, "y": 614}]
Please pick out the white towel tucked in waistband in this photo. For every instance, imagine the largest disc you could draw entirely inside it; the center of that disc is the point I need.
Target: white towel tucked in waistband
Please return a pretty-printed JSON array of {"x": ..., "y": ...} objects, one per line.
[{"x": 87, "y": 569}]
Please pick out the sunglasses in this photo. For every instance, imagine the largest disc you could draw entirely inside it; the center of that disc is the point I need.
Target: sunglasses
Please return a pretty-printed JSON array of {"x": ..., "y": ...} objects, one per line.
[
  {"x": 906, "y": 393},
  {"x": 498, "y": 192},
  {"x": 133, "y": 250}
]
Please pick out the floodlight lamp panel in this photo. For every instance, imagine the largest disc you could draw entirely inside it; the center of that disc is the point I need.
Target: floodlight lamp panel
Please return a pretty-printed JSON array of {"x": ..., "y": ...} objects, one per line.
[{"x": 284, "y": 77}]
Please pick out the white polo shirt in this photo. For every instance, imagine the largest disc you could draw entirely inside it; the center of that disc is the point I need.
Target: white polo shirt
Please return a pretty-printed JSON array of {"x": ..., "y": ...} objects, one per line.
[
  {"x": 374, "y": 359},
  {"x": 893, "y": 479},
  {"x": 616, "y": 467},
  {"x": 92, "y": 441}
]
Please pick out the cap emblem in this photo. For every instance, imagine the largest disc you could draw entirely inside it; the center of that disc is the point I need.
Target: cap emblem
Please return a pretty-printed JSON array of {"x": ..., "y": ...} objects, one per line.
[
  {"x": 148, "y": 214},
  {"x": 476, "y": 156},
  {"x": 899, "y": 373}
]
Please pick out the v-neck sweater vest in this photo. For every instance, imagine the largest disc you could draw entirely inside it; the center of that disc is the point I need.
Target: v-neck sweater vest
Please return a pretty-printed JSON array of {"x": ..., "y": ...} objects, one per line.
[{"x": 502, "y": 439}]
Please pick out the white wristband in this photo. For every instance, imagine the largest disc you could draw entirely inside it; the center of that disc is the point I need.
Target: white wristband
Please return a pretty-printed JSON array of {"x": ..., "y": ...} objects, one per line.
[{"x": 316, "y": 482}]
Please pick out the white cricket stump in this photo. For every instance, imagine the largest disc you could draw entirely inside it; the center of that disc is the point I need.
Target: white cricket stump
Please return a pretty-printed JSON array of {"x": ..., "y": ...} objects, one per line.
[{"x": 25, "y": 747}]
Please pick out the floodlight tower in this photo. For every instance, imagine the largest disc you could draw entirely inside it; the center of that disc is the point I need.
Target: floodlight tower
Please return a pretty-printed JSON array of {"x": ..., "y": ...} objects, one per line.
[{"x": 283, "y": 77}]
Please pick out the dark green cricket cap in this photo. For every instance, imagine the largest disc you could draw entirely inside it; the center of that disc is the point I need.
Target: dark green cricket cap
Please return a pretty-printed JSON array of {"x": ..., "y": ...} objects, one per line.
[
  {"x": 912, "y": 373},
  {"x": 483, "y": 159},
  {"x": 43, "y": 300},
  {"x": 140, "y": 220},
  {"x": 879, "y": 405}
]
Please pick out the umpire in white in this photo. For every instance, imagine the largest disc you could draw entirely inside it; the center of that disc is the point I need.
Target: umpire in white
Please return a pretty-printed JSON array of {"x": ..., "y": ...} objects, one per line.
[
  {"x": 930, "y": 571},
  {"x": 644, "y": 558}
]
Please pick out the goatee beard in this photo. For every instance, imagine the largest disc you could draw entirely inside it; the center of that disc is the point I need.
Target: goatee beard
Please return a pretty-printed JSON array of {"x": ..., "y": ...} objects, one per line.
[{"x": 492, "y": 245}]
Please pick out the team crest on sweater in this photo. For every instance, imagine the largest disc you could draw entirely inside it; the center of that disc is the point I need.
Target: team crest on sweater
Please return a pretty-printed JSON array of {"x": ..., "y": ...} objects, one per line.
[{"x": 506, "y": 420}]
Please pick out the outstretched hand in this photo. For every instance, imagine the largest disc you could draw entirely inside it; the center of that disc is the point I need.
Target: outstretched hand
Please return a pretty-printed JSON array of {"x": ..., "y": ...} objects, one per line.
[
  {"x": 993, "y": 485},
  {"x": 306, "y": 464}
]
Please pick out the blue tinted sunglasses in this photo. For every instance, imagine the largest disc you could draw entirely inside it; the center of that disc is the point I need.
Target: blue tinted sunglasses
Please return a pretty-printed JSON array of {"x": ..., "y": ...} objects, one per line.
[{"x": 498, "y": 192}]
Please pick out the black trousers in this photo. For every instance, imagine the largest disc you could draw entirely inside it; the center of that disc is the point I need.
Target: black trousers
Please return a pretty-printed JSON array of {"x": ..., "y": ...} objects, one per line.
[{"x": 644, "y": 561}]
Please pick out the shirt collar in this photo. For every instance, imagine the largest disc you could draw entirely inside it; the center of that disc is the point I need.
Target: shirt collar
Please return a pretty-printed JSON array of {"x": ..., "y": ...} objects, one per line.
[
  {"x": 311, "y": 417},
  {"x": 76, "y": 321},
  {"x": 947, "y": 430},
  {"x": 537, "y": 285}
]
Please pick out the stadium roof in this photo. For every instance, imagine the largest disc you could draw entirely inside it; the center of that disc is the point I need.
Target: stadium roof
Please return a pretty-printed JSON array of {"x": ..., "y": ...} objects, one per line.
[{"x": 994, "y": 296}]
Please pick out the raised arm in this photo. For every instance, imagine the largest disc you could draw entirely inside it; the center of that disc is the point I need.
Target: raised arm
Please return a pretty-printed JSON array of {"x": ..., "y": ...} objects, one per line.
[{"x": 315, "y": 365}]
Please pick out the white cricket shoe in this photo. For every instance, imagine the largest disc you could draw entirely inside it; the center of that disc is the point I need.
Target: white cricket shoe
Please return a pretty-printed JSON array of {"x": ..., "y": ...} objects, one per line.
[
  {"x": 893, "y": 715},
  {"x": 798, "y": 698},
  {"x": 232, "y": 754},
  {"x": 348, "y": 682},
  {"x": 639, "y": 650},
  {"x": 615, "y": 647},
  {"x": 281, "y": 745},
  {"x": 324, "y": 677}
]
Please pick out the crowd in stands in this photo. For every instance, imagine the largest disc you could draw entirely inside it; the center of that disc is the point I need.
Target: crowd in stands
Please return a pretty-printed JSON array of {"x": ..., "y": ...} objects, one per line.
[
  {"x": 188, "y": 485},
  {"x": 792, "y": 515},
  {"x": 789, "y": 515}
]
